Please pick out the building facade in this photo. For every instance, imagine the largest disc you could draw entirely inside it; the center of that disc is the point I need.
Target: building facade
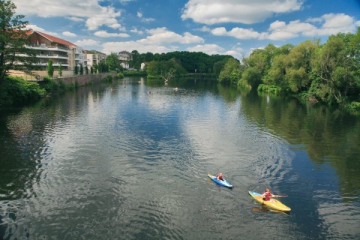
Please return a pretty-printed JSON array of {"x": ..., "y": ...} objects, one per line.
[
  {"x": 125, "y": 57},
  {"x": 94, "y": 57},
  {"x": 60, "y": 51}
]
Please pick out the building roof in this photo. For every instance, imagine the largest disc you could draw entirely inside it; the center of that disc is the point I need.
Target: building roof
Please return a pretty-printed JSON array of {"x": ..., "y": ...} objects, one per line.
[
  {"x": 51, "y": 38},
  {"x": 94, "y": 52},
  {"x": 125, "y": 52}
]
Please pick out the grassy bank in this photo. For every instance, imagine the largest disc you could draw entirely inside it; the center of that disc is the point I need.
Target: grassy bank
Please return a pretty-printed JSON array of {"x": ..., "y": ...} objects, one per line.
[{"x": 16, "y": 90}]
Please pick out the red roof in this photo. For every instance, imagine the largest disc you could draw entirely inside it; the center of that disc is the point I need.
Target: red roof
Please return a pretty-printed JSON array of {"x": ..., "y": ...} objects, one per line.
[{"x": 51, "y": 38}]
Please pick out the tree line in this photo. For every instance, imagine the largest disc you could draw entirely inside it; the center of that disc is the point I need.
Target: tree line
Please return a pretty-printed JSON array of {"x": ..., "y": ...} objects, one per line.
[{"x": 328, "y": 73}]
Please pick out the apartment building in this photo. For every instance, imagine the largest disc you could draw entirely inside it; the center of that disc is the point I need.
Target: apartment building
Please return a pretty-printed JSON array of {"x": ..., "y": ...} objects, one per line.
[
  {"x": 125, "y": 57},
  {"x": 58, "y": 50},
  {"x": 94, "y": 57}
]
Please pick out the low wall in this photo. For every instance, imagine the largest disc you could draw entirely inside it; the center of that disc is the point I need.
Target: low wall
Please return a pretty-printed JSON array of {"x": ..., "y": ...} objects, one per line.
[
  {"x": 84, "y": 79},
  {"x": 68, "y": 77}
]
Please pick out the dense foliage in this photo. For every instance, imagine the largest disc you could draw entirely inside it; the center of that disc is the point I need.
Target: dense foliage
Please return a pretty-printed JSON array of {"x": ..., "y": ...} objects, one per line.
[
  {"x": 113, "y": 62},
  {"x": 50, "y": 68},
  {"x": 191, "y": 62},
  {"x": 327, "y": 73},
  {"x": 13, "y": 39},
  {"x": 15, "y": 90}
]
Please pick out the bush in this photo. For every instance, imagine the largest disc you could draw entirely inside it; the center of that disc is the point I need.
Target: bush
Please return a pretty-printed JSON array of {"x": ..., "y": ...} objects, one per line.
[
  {"x": 135, "y": 73},
  {"x": 353, "y": 108},
  {"x": 270, "y": 89},
  {"x": 49, "y": 85},
  {"x": 108, "y": 78},
  {"x": 14, "y": 90},
  {"x": 120, "y": 75},
  {"x": 62, "y": 86}
]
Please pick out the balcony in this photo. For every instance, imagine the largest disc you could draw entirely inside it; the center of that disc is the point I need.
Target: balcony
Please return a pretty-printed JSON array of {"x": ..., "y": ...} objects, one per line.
[{"x": 47, "y": 48}]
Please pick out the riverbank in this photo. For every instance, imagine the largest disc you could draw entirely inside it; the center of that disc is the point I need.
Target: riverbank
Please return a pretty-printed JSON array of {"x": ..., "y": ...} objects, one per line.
[{"x": 16, "y": 90}]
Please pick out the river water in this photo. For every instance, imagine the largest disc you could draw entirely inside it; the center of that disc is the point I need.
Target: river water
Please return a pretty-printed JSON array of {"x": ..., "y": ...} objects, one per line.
[{"x": 130, "y": 161}]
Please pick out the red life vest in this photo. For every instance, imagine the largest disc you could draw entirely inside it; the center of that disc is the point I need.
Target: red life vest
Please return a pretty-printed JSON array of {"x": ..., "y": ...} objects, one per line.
[{"x": 267, "y": 196}]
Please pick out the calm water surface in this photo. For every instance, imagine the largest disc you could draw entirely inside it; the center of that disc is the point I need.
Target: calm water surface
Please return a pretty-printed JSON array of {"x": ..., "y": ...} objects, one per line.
[{"x": 130, "y": 161}]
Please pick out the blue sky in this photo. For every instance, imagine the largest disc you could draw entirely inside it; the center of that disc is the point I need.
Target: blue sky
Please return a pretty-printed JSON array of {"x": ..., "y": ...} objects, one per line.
[{"x": 234, "y": 27}]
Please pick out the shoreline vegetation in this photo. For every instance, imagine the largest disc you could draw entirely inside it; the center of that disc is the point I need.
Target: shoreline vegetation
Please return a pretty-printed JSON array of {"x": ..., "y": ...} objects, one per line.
[{"x": 326, "y": 73}]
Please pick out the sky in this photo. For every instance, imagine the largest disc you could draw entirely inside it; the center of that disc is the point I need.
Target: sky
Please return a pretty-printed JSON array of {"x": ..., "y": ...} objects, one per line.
[{"x": 231, "y": 27}]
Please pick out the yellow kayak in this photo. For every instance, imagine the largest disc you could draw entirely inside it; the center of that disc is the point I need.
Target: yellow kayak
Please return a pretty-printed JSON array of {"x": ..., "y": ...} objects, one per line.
[{"x": 273, "y": 203}]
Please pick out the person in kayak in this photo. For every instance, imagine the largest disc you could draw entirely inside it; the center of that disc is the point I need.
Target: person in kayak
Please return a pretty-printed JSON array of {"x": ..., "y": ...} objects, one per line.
[
  {"x": 267, "y": 195},
  {"x": 219, "y": 177}
]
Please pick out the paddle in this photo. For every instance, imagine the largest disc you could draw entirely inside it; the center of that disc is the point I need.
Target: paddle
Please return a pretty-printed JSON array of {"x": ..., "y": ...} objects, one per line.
[{"x": 279, "y": 196}]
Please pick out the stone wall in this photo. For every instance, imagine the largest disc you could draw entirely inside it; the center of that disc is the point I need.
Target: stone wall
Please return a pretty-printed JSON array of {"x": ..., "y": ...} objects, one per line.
[
  {"x": 84, "y": 79},
  {"x": 68, "y": 77}
]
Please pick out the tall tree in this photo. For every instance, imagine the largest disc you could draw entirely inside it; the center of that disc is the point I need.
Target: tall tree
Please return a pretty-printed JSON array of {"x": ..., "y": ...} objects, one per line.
[
  {"x": 81, "y": 69},
  {"x": 50, "y": 68},
  {"x": 13, "y": 39},
  {"x": 60, "y": 70}
]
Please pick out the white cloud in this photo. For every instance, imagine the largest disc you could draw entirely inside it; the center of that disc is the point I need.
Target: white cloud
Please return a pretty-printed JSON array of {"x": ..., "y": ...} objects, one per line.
[
  {"x": 135, "y": 30},
  {"x": 124, "y": 2},
  {"x": 87, "y": 42},
  {"x": 36, "y": 28},
  {"x": 327, "y": 25},
  {"x": 69, "y": 34},
  {"x": 106, "y": 17},
  {"x": 162, "y": 35},
  {"x": 204, "y": 29},
  {"x": 207, "y": 48},
  {"x": 110, "y": 47},
  {"x": 95, "y": 14},
  {"x": 159, "y": 41},
  {"x": 314, "y": 20},
  {"x": 147, "y": 19},
  {"x": 337, "y": 20},
  {"x": 239, "y": 33},
  {"x": 105, "y": 34},
  {"x": 239, "y": 11},
  {"x": 278, "y": 31},
  {"x": 76, "y": 19},
  {"x": 140, "y": 15}
]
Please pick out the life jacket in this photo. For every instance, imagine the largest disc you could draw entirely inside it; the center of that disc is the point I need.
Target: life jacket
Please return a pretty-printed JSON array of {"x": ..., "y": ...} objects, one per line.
[{"x": 267, "y": 196}]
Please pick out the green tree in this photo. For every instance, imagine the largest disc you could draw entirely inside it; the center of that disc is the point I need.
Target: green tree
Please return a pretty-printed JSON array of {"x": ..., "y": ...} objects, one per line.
[
  {"x": 60, "y": 70},
  {"x": 86, "y": 70},
  {"x": 76, "y": 69},
  {"x": 251, "y": 76},
  {"x": 231, "y": 71},
  {"x": 276, "y": 74},
  {"x": 81, "y": 69},
  {"x": 299, "y": 65},
  {"x": 50, "y": 68},
  {"x": 336, "y": 69},
  {"x": 137, "y": 59},
  {"x": 113, "y": 62},
  {"x": 13, "y": 39}
]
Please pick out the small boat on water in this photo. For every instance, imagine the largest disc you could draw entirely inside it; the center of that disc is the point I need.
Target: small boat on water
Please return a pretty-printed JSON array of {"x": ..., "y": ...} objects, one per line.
[
  {"x": 224, "y": 182},
  {"x": 273, "y": 203}
]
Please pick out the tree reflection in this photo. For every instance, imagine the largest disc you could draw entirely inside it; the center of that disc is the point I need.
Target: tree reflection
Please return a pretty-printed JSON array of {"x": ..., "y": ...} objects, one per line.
[{"x": 328, "y": 135}]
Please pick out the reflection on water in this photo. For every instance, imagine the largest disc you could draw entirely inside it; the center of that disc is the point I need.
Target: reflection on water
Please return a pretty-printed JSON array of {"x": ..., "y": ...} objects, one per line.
[{"x": 131, "y": 160}]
